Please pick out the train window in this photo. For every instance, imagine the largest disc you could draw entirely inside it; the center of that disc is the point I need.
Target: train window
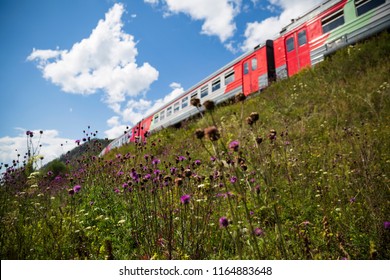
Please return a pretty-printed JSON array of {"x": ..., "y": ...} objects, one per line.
[
  {"x": 334, "y": 20},
  {"x": 176, "y": 107},
  {"x": 162, "y": 115},
  {"x": 302, "y": 38},
  {"x": 216, "y": 85},
  {"x": 363, "y": 6},
  {"x": 155, "y": 120},
  {"x": 184, "y": 102},
  {"x": 204, "y": 91},
  {"x": 194, "y": 94},
  {"x": 246, "y": 68},
  {"x": 254, "y": 63},
  {"x": 169, "y": 111},
  {"x": 290, "y": 44},
  {"x": 229, "y": 77}
]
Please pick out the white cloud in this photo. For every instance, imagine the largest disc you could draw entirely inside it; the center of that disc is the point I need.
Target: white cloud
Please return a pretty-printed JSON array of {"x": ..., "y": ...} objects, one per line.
[
  {"x": 257, "y": 32},
  {"x": 136, "y": 110},
  {"x": 106, "y": 61},
  {"x": 217, "y": 15},
  {"x": 50, "y": 140}
]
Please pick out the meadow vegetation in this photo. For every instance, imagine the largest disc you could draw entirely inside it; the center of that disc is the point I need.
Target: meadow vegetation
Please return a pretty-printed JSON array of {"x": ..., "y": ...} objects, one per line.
[{"x": 299, "y": 171}]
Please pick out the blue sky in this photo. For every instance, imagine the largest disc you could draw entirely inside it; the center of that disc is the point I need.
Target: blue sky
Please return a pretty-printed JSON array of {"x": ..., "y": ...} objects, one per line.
[{"x": 67, "y": 65}]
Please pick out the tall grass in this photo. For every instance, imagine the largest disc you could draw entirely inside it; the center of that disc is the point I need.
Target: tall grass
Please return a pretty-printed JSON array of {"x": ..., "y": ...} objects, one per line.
[{"x": 307, "y": 179}]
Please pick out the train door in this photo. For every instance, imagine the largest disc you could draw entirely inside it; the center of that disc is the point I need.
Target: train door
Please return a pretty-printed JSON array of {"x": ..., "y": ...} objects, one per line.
[
  {"x": 250, "y": 76},
  {"x": 297, "y": 51}
]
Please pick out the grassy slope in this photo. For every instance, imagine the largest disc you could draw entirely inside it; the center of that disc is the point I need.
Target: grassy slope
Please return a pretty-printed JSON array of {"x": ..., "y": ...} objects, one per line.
[{"x": 319, "y": 190}]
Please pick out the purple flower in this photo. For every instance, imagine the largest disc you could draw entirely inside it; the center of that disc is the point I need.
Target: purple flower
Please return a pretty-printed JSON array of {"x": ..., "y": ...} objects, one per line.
[
  {"x": 233, "y": 179},
  {"x": 77, "y": 142},
  {"x": 258, "y": 232},
  {"x": 147, "y": 176},
  {"x": 352, "y": 199},
  {"x": 181, "y": 158},
  {"x": 223, "y": 222},
  {"x": 76, "y": 188},
  {"x": 212, "y": 159},
  {"x": 185, "y": 199},
  {"x": 386, "y": 224},
  {"x": 197, "y": 162},
  {"x": 234, "y": 145},
  {"x": 155, "y": 161}
]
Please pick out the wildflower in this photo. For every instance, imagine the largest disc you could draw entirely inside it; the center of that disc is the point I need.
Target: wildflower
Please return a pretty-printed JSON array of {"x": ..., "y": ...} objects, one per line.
[
  {"x": 199, "y": 133},
  {"x": 352, "y": 199},
  {"x": 71, "y": 192},
  {"x": 167, "y": 178},
  {"x": 249, "y": 120},
  {"x": 233, "y": 179},
  {"x": 386, "y": 224},
  {"x": 76, "y": 188},
  {"x": 213, "y": 158},
  {"x": 272, "y": 134},
  {"x": 155, "y": 161},
  {"x": 197, "y": 162},
  {"x": 223, "y": 222},
  {"x": 254, "y": 116},
  {"x": 259, "y": 140},
  {"x": 50, "y": 173},
  {"x": 77, "y": 142},
  {"x": 212, "y": 133},
  {"x": 181, "y": 158},
  {"x": 209, "y": 105},
  {"x": 178, "y": 181},
  {"x": 185, "y": 199},
  {"x": 234, "y": 145},
  {"x": 188, "y": 172},
  {"x": 258, "y": 232},
  {"x": 195, "y": 102},
  {"x": 240, "y": 97}
]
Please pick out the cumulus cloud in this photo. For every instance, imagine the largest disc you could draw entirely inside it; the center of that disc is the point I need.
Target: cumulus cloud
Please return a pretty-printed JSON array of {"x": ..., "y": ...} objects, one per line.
[
  {"x": 217, "y": 15},
  {"x": 135, "y": 110},
  {"x": 53, "y": 145},
  {"x": 105, "y": 61},
  {"x": 259, "y": 31}
]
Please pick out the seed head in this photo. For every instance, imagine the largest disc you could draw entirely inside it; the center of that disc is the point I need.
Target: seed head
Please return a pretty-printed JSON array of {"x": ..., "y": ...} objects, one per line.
[
  {"x": 209, "y": 105},
  {"x": 240, "y": 97},
  {"x": 254, "y": 116},
  {"x": 249, "y": 120},
  {"x": 195, "y": 102},
  {"x": 212, "y": 133},
  {"x": 199, "y": 133}
]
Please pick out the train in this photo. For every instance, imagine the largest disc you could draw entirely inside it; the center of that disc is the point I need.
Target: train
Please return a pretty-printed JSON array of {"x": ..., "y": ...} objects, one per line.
[{"x": 304, "y": 42}]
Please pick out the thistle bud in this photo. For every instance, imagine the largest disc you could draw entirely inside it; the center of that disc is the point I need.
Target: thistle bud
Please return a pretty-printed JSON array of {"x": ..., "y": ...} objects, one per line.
[{"x": 209, "y": 105}]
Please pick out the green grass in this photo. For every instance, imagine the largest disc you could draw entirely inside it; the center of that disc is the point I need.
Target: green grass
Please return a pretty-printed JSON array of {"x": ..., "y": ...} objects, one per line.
[{"x": 317, "y": 189}]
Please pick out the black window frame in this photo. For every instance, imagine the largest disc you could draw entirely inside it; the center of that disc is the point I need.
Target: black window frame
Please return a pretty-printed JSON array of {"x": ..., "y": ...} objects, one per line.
[
  {"x": 364, "y": 6},
  {"x": 204, "y": 91},
  {"x": 216, "y": 85},
  {"x": 290, "y": 47},
  {"x": 301, "y": 42},
  {"x": 333, "y": 21},
  {"x": 229, "y": 77}
]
